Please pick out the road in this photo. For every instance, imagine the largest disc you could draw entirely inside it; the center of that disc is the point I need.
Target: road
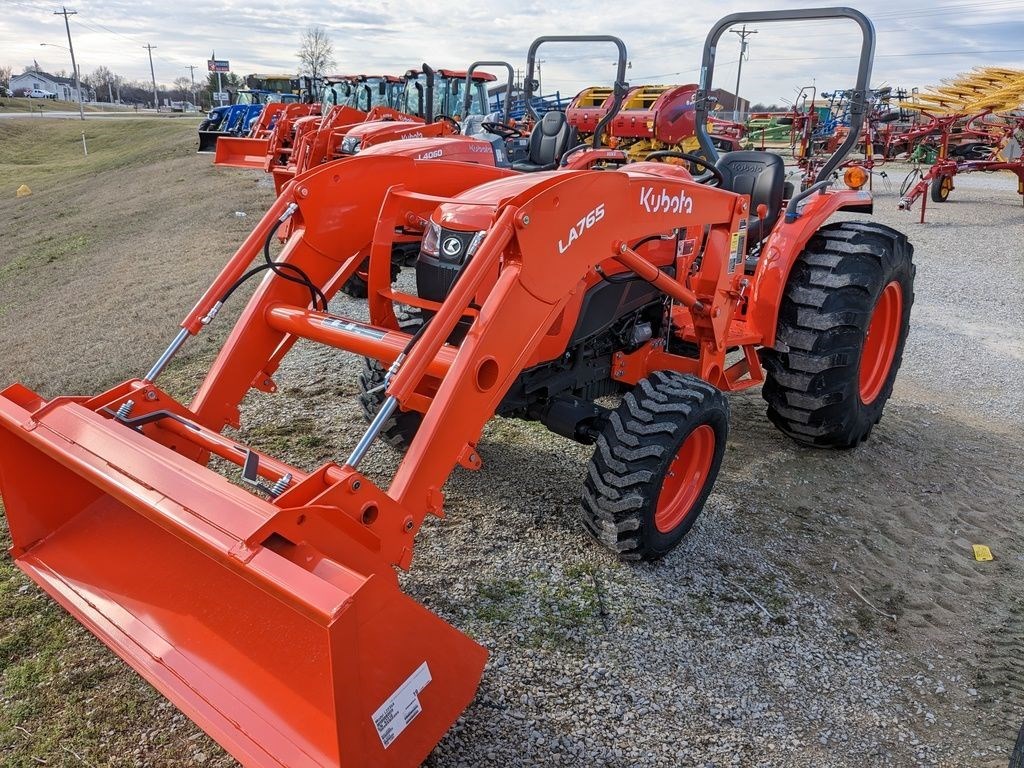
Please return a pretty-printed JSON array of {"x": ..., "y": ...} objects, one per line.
[{"x": 73, "y": 115}]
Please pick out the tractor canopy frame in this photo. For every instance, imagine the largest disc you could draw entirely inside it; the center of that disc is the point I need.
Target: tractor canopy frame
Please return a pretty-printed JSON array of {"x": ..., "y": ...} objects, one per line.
[
  {"x": 467, "y": 100},
  {"x": 858, "y": 97},
  {"x": 619, "y": 89}
]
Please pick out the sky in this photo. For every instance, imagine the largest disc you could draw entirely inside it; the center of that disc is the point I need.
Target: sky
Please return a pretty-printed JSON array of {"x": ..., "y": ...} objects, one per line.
[{"x": 919, "y": 42}]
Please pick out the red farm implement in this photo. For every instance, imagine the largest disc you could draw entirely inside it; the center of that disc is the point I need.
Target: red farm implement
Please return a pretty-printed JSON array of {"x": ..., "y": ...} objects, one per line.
[{"x": 978, "y": 127}]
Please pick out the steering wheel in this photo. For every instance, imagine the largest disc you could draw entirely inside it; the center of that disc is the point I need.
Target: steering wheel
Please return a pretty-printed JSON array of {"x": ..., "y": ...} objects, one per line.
[
  {"x": 451, "y": 121},
  {"x": 707, "y": 165},
  {"x": 501, "y": 130},
  {"x": 572, "y": 151}
]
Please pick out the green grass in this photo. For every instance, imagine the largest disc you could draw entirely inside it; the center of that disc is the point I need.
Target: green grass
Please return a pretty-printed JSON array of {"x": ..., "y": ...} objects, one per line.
[
  {"x": 36, "y": 153},
  {"x": 109, "y": 251},
  {"x": 20, "y": 104}
]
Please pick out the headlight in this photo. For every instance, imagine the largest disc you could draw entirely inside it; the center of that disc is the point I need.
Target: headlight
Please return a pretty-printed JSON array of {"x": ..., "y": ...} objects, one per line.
[
  {"x": 431, "y": 239},
  {"x": 350, "y": 145}
]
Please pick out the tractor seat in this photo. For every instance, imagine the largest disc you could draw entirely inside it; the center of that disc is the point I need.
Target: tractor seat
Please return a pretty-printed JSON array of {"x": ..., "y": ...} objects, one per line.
[
  {"x": 548, "y": 141},
  {"x": 762, "y": 177}
]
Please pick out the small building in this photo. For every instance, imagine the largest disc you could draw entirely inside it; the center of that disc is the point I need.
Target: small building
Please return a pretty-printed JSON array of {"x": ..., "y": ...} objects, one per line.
[
  {"x": 64, "y": 87},
  {"x": 729, "y": 103}
]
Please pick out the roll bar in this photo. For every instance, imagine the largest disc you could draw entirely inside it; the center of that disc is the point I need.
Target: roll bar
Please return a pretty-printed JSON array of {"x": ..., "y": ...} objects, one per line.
[
  {"x": 508, "y": 88},
  {"x": 858, "y": 97},
  {"x": 618, "y": 90}
]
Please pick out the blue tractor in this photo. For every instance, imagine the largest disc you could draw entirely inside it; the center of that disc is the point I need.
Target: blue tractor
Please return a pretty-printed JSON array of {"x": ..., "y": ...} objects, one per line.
[{"x": 237, "y": 119}]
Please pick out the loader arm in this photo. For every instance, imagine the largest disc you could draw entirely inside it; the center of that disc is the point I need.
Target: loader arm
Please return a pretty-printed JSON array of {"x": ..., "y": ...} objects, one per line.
[{"x": 336, "y": 215}]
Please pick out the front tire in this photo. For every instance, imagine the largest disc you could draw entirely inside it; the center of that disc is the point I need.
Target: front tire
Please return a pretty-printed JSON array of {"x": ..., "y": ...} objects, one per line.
[
  {"x": 843, "y": 323},
  {"x": 401, "y": 427},
  {"x": 358, "y": 286},
  {"x": 655, "y": 463}
]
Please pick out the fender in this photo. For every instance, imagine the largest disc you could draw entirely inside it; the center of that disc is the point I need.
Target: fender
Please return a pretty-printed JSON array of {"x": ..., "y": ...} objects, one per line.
[{"x": 784, "y": 245}]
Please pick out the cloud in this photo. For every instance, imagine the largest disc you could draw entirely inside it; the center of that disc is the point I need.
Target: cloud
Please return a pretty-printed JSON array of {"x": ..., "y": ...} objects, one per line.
[{"x": 663, "y": 37}]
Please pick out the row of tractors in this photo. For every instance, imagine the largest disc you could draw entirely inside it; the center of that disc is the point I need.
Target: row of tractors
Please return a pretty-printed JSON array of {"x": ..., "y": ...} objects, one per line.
[{"x": 972, "y": 123}]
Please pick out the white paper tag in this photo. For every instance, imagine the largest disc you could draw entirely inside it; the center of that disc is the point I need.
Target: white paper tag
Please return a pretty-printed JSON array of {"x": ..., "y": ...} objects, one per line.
[{"x": 401, "y": 707}]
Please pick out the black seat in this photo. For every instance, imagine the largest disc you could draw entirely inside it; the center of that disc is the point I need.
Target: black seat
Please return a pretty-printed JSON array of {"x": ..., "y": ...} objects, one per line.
[
  {"x": 548, "y": 141},
  {"x": 762, "y": 177}
]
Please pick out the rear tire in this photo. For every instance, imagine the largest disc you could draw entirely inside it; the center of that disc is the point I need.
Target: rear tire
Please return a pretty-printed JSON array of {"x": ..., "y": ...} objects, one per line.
[
  {"x": 1017, "y": 757},
  {"x": 843, "y": 321},
  {"x": 940, "y": 187},
  {"x": 655, "y": 463}
]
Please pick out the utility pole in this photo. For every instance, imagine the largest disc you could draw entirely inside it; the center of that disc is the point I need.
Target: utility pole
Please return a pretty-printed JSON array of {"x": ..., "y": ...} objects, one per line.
[
  {"x": 156, "y": 97},
  {"x": 192, "y": 71},
  {"x": 744, "y": 34},
  {"x": 74, "y": 67}
]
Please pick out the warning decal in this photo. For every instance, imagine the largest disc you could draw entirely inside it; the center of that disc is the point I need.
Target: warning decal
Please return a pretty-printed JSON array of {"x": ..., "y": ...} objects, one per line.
[{"x": 402, "y": 707}]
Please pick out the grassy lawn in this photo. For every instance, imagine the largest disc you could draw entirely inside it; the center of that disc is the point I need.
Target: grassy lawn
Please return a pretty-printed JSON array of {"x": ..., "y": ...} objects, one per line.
[
  {"x": 98, "y": 266},
  {"x": 14, "y": 104},
  {"x": 110, "y": 251}
]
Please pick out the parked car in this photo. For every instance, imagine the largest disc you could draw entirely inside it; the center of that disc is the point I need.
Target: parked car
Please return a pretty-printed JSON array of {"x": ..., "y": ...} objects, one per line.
[{"x": 39, "y": 93}]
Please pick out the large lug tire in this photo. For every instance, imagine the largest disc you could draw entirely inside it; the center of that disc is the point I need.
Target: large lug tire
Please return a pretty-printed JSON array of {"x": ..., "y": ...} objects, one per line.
[
  {"x": 357, "y": 286},
  {"x": 654, "y": 465},
  {"x": 940, "y": 188},
  {"x": 1017, "y": 757},
  {"x": 843, "y": 322},
  {"x": 399, "y": 430}
]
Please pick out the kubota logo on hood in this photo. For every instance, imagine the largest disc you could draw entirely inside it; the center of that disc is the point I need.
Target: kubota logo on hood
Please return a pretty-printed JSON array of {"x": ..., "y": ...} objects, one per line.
[
  {"x": 656, "y": 200},
  {"x": 412, "y": 135},
  {"x": 451, "y": 247}
]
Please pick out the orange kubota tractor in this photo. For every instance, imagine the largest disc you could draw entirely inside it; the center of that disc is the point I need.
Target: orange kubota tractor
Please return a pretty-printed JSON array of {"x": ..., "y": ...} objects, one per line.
[
  {"x": 344, "y": 99},
  {"x": 550, "y": 144},
  {"x": 268, "y": 610}
]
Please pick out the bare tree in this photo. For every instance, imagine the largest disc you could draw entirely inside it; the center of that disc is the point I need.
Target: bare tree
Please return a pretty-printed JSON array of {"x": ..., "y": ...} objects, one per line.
[
  {"x": 316, "y": 52},
  {"x": 183, "y": 85},
  {"x": 5, "y": 76}
]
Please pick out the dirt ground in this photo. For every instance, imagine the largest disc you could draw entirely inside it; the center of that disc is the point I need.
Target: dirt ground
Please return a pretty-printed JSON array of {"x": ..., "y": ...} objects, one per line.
[{"x": 826, "y": 611}]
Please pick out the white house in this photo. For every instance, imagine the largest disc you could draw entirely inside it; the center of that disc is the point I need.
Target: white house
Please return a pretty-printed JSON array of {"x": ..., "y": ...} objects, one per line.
[{"x": 64, "y": 87}]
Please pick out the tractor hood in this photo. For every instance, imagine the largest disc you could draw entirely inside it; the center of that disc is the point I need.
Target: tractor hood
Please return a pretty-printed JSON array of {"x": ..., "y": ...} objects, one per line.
[{"x": 458, "y": 148}]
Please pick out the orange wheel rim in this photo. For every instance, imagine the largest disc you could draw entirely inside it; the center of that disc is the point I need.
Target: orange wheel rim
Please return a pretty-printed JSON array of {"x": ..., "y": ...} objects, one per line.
[
  {"x": 685, "y": 478},
  {"x": 880, "y": 342}
]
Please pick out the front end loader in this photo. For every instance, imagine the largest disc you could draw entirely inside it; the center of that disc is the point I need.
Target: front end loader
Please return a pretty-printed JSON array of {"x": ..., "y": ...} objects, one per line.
[{"x": 262, "y": 598}]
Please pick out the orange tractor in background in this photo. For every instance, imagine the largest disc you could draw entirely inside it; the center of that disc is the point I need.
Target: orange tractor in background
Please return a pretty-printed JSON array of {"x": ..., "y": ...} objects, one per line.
[
  {"x": 262, "y": 599},
  {"x": 344, "y": 98}
]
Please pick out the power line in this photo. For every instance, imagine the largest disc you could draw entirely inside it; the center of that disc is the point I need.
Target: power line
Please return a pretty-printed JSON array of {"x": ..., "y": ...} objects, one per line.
[
  {"x": 743, "y": 35},
  {"x": 156, "y": 97},
  {"x": 74, "y": 66}
]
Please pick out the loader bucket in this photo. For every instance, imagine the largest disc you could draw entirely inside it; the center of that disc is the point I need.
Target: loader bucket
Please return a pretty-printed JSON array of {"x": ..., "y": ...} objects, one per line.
[
  {"x": 208, "y": 140},
  {"x": 288, "y": 648},
  {"x": 237, "y": 152}
]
